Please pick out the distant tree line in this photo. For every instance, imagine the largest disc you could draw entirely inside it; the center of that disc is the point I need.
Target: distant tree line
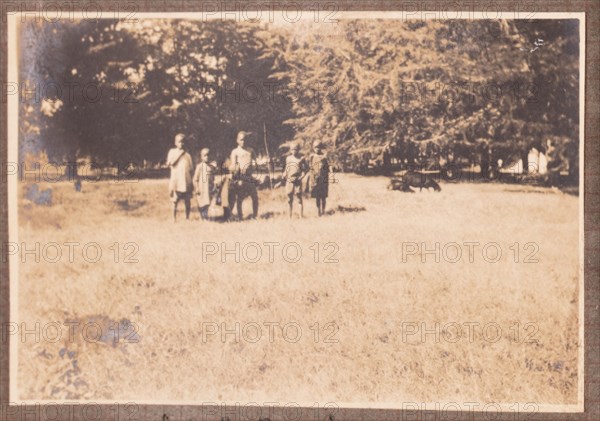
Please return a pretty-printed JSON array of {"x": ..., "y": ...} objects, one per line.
[{"x": 479, "y": 89}]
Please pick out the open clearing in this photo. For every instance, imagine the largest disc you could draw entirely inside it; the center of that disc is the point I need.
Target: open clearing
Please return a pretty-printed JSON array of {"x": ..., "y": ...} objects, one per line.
[{"x": 361, "y": 303}]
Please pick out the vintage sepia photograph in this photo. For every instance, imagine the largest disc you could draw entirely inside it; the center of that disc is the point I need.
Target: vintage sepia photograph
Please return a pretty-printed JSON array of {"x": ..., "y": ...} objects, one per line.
[{"x": 309, "y": 208}]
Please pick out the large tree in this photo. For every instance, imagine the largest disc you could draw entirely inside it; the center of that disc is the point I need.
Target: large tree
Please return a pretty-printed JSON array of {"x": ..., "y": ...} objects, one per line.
[
  {"x": 497, "y": 87},
  {"x": 505, "y": 85}
]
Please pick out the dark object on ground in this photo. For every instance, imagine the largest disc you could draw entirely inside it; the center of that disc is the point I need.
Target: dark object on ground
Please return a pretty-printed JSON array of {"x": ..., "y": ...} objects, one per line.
[
  {"x": 397, "y": 185},
  {"x": 38, "y": 196},
  {"x": 414, "y": 179}
]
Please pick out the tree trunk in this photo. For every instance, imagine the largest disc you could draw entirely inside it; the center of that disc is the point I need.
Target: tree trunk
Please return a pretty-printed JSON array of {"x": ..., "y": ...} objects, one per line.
[
  {"x": 485, "y": 163},
  {"x": 525, "y": 159}
]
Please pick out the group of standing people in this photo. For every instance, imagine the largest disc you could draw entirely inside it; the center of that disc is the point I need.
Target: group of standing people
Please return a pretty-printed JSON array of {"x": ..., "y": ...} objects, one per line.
[{"x": 238, "y": 181}]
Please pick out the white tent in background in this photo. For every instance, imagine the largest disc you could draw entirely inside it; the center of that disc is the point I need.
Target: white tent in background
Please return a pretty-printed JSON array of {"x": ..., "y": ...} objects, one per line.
[
  {"x": 515, "y": 168},
  {"x": 537, "y": 164}
]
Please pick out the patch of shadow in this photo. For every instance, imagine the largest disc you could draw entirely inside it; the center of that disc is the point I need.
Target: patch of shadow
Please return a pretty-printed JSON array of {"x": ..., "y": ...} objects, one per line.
[
  {"x": 37, "y": 196},
  {"x": 346, "y": 209},
  {"x": 526, "y": 191},
  {"x": 546, "y": 191},
  {"x": 571, "y": 190},
  {"x": 100, "y": 328},
  {"x": 269, "y": 215},
  {"x": 71, "y": 384},
  {"x": 128, "y": 205},
  {"x": 114, "y": 332},
  {"x": 556, "y": 366}
]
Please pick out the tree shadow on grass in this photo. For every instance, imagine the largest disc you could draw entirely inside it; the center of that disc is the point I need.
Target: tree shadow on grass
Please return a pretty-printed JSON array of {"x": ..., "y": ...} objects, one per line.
[
  {"x": 338, "y": 210},
  {"x": 129, "y": 205},
  {"x": 570, "y": 190},
  {"x": 346, "y": 209},
  {"x": 271, "y": 215}
]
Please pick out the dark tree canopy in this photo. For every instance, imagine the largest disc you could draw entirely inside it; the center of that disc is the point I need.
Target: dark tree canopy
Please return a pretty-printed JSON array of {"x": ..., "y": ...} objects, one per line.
[{"x": 511, "y": 85}]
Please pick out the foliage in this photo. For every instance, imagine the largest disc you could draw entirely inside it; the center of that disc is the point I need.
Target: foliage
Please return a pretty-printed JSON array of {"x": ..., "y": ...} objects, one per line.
[{"x": 508, "y": 85}]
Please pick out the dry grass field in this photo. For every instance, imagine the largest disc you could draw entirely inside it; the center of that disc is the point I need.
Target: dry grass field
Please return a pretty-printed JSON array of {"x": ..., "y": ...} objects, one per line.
[{"x": 367, "y": 305}]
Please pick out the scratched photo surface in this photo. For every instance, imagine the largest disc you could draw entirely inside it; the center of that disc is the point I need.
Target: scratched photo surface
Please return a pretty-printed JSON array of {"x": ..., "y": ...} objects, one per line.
[{"x": 431, "y": 251}]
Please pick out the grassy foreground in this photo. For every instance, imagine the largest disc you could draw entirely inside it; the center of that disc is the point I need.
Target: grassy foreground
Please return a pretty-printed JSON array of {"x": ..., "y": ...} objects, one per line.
[{"x": 371, "y": 306}]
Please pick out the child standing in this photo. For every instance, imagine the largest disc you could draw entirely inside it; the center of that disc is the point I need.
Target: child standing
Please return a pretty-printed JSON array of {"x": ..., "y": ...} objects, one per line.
[
  {"x": 293, "y": 173},
  {"x": 204, "y": 182},
  {"x": 180, "y": 183},
  {"x": 319, "y": 176}
]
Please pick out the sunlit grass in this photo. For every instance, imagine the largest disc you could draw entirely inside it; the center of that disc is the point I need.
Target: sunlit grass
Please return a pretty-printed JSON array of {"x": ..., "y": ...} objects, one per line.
[{"x": 171, "y": 295}]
